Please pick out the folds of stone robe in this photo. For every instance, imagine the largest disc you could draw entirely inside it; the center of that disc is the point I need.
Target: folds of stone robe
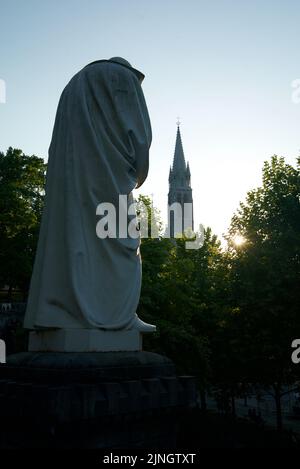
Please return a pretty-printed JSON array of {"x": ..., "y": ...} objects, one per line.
[{"x": 99, "y": 150}]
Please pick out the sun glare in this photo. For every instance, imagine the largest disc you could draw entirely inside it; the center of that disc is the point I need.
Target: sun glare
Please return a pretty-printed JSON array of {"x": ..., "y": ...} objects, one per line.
[{"x": 238, "y": 240}]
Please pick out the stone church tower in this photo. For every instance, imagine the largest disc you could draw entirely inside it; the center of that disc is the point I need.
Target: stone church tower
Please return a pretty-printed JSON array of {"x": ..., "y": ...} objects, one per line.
[{"x": 180, "y": 197}]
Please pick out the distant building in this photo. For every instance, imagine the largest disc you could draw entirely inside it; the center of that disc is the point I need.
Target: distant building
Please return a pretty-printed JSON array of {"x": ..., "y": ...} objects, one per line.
[{"x": 180, "y": 197}]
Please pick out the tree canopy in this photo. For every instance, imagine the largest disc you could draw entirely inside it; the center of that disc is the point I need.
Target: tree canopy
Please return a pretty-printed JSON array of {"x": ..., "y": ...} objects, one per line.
[{"x": 22, "y": 181}]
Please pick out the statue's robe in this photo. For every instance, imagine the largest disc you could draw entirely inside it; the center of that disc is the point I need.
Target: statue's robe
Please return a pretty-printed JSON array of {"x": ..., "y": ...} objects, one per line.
[{"x": 99, "y": 150}]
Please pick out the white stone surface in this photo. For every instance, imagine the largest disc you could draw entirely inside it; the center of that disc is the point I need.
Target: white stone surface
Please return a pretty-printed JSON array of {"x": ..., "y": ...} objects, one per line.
[{"x": 84, "y": 340}]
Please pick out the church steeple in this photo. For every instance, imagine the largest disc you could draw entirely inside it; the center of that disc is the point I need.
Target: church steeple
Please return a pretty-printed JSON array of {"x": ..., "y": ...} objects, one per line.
[
  {"x": 180, "y": 190},
  {"x": 180, "y": 175},
  {"x": 178, "y": 160}
]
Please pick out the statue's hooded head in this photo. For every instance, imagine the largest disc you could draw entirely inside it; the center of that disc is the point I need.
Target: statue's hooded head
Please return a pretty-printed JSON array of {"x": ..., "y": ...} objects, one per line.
[{"x": 125, "y": 63}]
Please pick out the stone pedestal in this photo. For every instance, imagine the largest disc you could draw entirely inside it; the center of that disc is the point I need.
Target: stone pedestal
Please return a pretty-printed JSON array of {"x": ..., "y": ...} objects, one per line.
[
  {"x": 84, "y": 340},
  {"x": 92, "y": 400}
]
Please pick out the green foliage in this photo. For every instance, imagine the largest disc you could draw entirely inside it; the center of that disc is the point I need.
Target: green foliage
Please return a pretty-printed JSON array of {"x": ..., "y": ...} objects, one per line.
[
  {"x": 181, "y": 295},
  {"x": 22, "y": 180},
  {"x": 149, "y": 218},
  {"x": 266, "y": 271}
]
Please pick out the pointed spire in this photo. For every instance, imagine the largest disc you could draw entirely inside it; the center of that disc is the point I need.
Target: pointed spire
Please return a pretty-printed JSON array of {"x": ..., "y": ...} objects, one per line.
[
  {"x": 178, "y": 161},
  {"x": 188, "y": 171}
]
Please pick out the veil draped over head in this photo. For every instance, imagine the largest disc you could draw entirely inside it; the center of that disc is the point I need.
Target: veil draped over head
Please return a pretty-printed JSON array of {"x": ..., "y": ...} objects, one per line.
[{"x": 99, "y": 150}]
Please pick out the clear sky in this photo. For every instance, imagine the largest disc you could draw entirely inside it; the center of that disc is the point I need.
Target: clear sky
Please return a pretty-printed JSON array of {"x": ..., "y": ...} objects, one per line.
[{"x": 224, "y": 66}]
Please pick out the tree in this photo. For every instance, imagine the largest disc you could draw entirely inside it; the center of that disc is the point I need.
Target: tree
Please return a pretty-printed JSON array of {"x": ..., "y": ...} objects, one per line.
[
  {"x": 22, "y": 180},
  {"x": 265, "y": 277}
]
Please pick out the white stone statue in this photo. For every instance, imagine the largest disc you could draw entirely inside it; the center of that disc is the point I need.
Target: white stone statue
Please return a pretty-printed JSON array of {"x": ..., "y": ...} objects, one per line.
[{"x": 99, "y": 150}]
